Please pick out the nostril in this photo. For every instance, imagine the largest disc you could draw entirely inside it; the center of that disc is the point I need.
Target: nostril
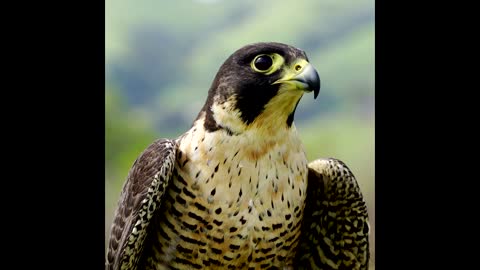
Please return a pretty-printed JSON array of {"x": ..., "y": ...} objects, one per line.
[{"x": 298, "y": 67}]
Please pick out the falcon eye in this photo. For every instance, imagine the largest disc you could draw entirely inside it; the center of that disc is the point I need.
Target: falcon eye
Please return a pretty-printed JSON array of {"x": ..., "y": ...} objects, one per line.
[
  {"x": 262, "y": 63},
  {"x": 267, "y": 63}
]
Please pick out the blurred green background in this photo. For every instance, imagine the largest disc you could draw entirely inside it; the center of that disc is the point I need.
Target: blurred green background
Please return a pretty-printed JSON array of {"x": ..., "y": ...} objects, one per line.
[{"x": 161, "y": 56}]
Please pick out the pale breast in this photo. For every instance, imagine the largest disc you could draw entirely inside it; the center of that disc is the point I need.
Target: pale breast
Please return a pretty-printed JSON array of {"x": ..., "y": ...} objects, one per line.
[{"x": 234, "y": 205}]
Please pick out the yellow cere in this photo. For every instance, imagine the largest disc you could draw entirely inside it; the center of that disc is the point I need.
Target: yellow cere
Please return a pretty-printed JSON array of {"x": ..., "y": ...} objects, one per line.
[{"x": 296, "y": 68}]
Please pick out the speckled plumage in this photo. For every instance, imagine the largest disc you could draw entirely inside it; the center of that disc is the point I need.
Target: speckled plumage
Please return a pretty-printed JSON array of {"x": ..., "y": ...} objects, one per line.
[
  {"x": 236, "y": 190},
  {"x": 336, "y": 229}
]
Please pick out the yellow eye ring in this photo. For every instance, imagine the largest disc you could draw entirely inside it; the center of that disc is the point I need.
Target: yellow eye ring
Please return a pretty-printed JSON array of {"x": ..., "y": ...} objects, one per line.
[
  {"x": 267, "y": 63},
  {"x": 262, "y": 63}
]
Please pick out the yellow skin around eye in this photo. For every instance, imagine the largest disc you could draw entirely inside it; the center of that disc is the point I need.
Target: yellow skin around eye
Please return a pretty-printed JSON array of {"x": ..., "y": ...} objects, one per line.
[{"x": 277, "y": 62}]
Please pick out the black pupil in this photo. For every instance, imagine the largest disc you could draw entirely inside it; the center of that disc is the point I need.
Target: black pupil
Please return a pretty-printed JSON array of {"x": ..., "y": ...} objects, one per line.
[{"x": 263, "y": 62}]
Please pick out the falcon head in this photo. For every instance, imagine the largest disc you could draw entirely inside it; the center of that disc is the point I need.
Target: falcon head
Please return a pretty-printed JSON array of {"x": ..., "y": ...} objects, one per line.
[{"x": 259, "y": 87}]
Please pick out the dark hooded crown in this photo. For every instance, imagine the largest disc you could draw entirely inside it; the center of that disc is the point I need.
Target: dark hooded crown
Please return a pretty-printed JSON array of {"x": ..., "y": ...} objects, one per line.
[{"x": 253, "y": 90}]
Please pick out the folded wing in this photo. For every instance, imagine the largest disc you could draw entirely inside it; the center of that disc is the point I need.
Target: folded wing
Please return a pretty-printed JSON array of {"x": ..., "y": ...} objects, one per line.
[
  {"x": 140, "y": 197},
  {"x": 335, "y": 229}
]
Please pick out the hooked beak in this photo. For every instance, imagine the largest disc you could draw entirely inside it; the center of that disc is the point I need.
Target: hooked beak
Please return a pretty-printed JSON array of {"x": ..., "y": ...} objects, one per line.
[{"x": 306, "y": 79}]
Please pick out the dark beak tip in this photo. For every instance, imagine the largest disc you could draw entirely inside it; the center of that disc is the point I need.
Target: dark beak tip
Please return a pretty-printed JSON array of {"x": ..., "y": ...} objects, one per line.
[
  {"x": 313, "y": 80},
  {"x": 316, "y": 86}
]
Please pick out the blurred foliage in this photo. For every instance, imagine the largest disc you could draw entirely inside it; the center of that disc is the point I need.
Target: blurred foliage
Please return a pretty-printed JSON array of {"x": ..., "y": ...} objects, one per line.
[{"x": 161, "y": 57}]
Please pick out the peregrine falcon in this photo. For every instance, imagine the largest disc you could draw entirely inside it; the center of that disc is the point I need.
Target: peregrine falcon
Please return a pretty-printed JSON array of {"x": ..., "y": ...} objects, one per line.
[{"x": 236, "y": 190}]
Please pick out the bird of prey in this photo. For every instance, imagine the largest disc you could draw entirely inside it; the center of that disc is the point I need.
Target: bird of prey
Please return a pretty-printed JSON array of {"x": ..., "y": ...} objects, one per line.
[{"x": 236, "y": 190}]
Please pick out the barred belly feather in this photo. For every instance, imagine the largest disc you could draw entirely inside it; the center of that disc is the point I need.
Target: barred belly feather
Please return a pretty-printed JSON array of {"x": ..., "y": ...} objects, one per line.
[{"x": 227, "y": 210}]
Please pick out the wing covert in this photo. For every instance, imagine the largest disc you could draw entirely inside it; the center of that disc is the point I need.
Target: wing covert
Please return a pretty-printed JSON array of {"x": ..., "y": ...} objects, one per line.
[
  {"x": 140, "y": 197},
  {"x": 335, "y": 229}
]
